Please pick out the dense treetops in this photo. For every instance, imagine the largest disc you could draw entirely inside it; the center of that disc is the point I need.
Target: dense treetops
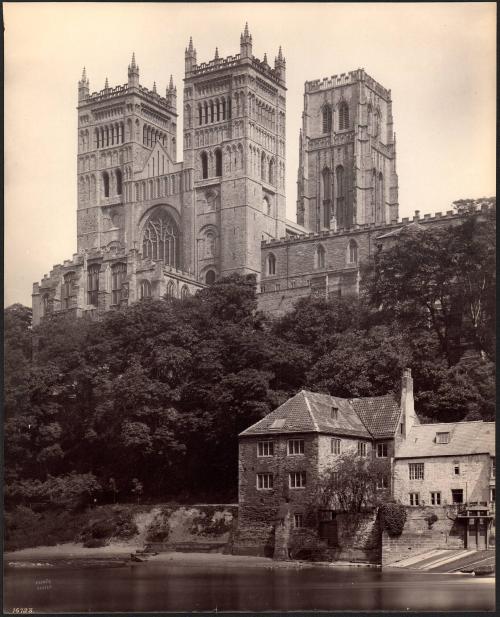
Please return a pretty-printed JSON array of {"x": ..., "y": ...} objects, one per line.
[{"x": 156, "y": 394}]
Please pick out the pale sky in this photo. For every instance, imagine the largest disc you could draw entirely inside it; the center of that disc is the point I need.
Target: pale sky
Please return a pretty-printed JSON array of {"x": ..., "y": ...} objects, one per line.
[{"x": 437, "y": 59}]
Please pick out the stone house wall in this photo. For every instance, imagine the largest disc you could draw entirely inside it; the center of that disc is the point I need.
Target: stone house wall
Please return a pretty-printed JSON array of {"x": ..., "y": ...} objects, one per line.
[
  {"x": 417, "y": 537},
  {"x": 439, "y": 476}
]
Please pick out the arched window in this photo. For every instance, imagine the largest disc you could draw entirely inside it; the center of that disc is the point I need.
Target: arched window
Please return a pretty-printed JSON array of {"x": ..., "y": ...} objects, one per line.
[
  {"x": 266, "y": 206},
  {"x": 118, "y": 175},
  {"x": 210, "y": 277},
  {"x": 327, "y": 191},
  {"x": 380, "y": 198},
  {"x": 340, "y": 193},
  {"x": 160, "y": 239},
  {"x": 271, "y": 264},
  {"x": 105, "y": 183},
  {"x": 185, "y": 292},
  {"x": 46, "y": 305},
  {"x": 204, "y": 165},
  {"x": 118, "y": 274},
  {"x": 200, "y": 115},
  {"x": 93, "y": 284},
  {"x": 211, "y": 111},
  {"x": 343, "y": 116},
  {"x": 272, "y": 179},
  {"x": 145, "y": 290},
  {"x": 67, "y": 289},
  {"x": 205, "y": 106},
  {"x": 218, "y": 162},
  {"x": 376, "y": 126},
  {"x": 353, "y": 252},
  {"x": 320, "y": 257},
  {"x": 170, "y": 293},
  {"x": 263, "y": 167},
  {"x": 327, "y": 119},
  {"x": 210, "y": 243}
]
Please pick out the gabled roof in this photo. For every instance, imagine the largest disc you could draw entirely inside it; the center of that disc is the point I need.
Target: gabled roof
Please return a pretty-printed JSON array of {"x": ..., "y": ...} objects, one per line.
[
  {"x": 309, "y": 412},
  {"x": 380, "y": 414},
  {"x": 465, "y": 438}
]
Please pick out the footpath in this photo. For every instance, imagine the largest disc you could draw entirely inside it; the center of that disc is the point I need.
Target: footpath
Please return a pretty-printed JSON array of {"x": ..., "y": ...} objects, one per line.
[{"x": 440, "y": 560}]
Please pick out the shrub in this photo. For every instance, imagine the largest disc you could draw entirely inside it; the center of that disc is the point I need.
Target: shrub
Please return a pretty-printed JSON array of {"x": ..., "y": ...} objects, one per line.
[
  {"x": 305, "y": 544},
  {"x": 94, "y": 543},
  {"x": 158, "y": 530},
  {"x": 431, "y": 519},
  {"x": 393, "y": 517}
]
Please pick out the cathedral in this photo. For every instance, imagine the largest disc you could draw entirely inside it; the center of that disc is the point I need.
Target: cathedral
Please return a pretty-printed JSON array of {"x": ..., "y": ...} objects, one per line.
[{"x": 150, "y": 226}]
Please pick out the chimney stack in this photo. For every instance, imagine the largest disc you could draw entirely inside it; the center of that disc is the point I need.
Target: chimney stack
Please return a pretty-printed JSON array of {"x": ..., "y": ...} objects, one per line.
[{"x": 408, "y": 416}]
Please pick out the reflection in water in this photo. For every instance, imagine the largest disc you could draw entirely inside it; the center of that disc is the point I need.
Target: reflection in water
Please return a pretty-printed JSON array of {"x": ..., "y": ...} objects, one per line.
[{"x": 162, "y": 587}]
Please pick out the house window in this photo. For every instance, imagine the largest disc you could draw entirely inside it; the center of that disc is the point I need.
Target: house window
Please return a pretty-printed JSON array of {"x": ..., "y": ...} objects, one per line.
[
  {"x": 93, "y": 284},
  {"x": 334, "y": 413},
  {"x": 295, "y": 446},
  {"x": 118, "y": 274},
  {"x": 298, "y": 520},
  {"x": 456, "y": 469},
  {"x": 381, "y": 450},
  {"x": 414, "y": 500},
  {"x": 361, "y": 448},
  {"x": 442, "y": 438},
  {"x": 457, "y": 495},
  {"x": 264, "y": 481},
  {"x": 326, "y": 515},
  {"x": 492, "y": 494},
  {"x": 297, "y": 479},
  {"x": 265, "y": 448},
  {"x": 435, "y": 498},
  {"x": 493, "y": 469},
  {"x": 416, "y": 471},
  {"x": 335, "y": 445},
  {"x": 382, "y": 483}
]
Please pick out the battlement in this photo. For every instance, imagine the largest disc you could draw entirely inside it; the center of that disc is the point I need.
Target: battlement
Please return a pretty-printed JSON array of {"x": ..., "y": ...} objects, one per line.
[
  {"x": 122, "y": 90},
  {"x": 345, "y": 79},
  {"x": 230, "y": 62},
  {"x": 427, "y": 218}
]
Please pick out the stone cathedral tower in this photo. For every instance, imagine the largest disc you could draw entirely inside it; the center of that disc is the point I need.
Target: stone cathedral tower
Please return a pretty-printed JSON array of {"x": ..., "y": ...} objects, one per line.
[
  {"x": 347, "y": 160},
  {"x": 234, "y": 138}
]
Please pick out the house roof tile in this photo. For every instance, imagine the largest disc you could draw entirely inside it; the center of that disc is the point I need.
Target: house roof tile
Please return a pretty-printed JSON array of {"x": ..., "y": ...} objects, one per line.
[
  {"x": 380, "y": 414},
  {"x": 465, "y": 438}
]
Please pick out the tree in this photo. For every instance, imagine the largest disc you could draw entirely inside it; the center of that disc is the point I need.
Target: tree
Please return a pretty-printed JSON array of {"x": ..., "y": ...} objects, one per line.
[
  {"x": 442, "y": 278},
  {"x": 351, "y": 484}
]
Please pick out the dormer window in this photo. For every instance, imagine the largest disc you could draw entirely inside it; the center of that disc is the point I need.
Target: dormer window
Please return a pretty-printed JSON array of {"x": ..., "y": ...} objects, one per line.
[
  {"x": 442, "y": 438},
  {"x": 334, "y": 412}
]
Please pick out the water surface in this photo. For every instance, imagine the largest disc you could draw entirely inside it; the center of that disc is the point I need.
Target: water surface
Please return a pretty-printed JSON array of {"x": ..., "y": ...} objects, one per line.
[{"x": 167, "y": 587}]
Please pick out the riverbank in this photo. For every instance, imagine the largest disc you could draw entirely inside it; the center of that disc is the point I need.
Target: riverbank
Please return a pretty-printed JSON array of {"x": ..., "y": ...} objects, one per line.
[{"x": 120, "y": 552}]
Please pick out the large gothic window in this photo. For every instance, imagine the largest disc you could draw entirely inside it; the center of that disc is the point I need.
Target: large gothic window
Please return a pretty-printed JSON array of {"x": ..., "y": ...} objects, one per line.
[
  {"x": 160, "y": 239},
  {"x": 118, "y": 274},
  {"x": 343, "y": 116},
  {"x": 327, "y": 119},
  {"x": 340, "y": 194},
  {"x": 145, "y": 290},
  {"x": 93, "y": 284}
]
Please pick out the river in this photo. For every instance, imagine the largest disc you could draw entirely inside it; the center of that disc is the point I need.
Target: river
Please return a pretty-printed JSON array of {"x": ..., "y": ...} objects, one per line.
[{"x": 167, "y": 587}]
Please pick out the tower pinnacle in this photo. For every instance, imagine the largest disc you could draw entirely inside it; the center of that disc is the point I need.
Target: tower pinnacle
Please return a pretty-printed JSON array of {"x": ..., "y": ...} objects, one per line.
[
  {"x": 154, "y": 87},
  {"x": 133, "y": 72},
  {"x": 216, "y": 53},
  {"x": 106, "y": 84},
  {"x": 190, "y": 57},
  {"x": 83, "y": 86},
  {"x": 246, "y": 43}
]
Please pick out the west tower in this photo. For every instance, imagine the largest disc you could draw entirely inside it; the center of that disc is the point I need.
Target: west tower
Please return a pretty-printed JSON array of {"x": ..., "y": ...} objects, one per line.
[
  {"x": 347, "y": 159},
  {"x": 234, "y": 139}
]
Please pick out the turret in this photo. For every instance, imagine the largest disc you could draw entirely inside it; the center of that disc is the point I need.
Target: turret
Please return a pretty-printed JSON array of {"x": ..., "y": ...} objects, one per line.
[
  {"x": 133, "y": 73},
  {"x": 190, "y": 57},
  {"x": 171, "y": 94},
  {"x": 280, "y": 65},
  {"x": 83, "y": 87},
  {"x": 246, "y": 43}
]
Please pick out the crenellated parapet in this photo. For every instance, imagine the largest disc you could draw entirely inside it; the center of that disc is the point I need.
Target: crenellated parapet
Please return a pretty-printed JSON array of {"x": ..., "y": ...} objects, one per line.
[
  {"x": 346, "y": 79},
  {"x": 438, "y": 217}
]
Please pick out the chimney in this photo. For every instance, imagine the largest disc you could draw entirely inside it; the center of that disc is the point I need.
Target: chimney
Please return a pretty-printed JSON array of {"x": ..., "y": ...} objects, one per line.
[{"x": 408, "y": 417}]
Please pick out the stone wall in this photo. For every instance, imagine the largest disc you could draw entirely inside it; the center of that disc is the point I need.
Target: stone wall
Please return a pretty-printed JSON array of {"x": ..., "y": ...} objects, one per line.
[{"x": 417, "y": 537}]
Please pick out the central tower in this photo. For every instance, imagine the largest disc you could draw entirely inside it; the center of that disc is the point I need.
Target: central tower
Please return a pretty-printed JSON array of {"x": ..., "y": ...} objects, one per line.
[{"x": 234, "y": 138}]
